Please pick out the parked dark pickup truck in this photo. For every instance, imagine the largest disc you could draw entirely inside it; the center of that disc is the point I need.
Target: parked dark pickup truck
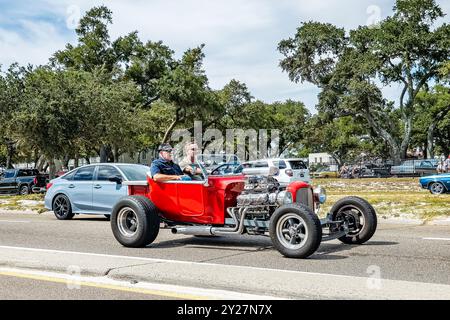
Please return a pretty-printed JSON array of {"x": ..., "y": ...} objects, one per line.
[{"x": 22, "y": 181}]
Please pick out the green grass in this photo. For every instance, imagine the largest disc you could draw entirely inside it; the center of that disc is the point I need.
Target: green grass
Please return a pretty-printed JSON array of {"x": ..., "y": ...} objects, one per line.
[
  {"x": 390, "y": 197},
  {"x": 8, "y": 202}
]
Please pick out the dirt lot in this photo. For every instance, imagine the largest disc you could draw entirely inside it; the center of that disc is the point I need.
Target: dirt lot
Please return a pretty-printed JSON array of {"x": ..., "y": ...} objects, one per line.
[{"x": 397, "y": 197}]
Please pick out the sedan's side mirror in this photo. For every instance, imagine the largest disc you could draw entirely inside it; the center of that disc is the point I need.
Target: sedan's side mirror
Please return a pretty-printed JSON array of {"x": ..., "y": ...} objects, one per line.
[{"x": 116, "y": 179}]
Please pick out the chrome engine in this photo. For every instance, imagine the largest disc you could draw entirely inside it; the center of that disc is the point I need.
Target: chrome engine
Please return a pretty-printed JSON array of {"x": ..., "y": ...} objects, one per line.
[{"x": 261, "y": 191}]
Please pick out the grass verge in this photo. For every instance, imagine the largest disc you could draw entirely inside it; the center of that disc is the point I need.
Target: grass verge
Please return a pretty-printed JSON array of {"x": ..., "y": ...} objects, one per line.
[
  {"x": 391, "y": 197},
  {"x": 33, "y": 202}
]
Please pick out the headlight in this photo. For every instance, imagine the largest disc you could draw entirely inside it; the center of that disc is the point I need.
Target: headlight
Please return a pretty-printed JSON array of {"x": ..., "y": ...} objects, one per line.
[
  {"x": 288, "y": 198},
  {"x": 283, "y": 197},
  {"x": 321, "y": 194}
]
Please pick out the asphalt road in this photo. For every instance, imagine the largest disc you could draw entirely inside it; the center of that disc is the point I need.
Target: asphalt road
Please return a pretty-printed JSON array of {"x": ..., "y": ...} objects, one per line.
[{"x": 412, "y": 253}]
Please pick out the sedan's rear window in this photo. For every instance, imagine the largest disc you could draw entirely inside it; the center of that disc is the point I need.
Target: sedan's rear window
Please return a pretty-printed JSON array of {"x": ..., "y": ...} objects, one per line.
[
  {"x": 297, "y": 164},
  {"x": 84, "y": 174},
  {"x": 135, "y": 172}
]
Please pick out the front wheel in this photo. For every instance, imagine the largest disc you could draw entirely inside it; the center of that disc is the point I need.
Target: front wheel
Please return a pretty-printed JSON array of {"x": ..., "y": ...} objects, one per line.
[
  {"x": 295, "y": 231},
  {"x": 360, "y": 217},
  {"x": 437, "y": 188},
  {"x": 135, "y": 221}
]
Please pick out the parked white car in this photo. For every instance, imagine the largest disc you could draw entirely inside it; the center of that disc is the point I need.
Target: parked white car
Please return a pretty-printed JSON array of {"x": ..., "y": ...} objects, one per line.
[{"x": 291, "y": 169}]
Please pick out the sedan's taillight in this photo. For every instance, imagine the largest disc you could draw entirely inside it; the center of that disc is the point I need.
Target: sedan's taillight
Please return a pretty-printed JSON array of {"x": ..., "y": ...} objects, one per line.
[
  {"x": 35, "y": 180},
  {"x": 49, "y": 185}
]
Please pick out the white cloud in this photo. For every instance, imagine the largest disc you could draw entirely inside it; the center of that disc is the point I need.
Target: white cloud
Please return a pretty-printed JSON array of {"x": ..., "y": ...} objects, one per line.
[
  {"x": 34, "y": 44},
  {"x": 241, "y": 36}
]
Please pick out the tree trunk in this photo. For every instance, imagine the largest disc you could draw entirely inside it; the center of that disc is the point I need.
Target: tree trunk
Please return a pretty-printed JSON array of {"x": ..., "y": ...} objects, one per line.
[
  {"x": 406, "y": 138},
  {"x": 103, "y": 154},
  {"x": 66, "y": 161},
  {"x": 36, "y": 158},
  {"x": 432, "y": 128},
  {"x": 52, "y": 169},
  {"x": 11, "y": 149},
  {"x": 430, "y": 140},
  {"x": 395, "y": 150},
  {"x": 40, "y": 163},
  {"x": 115, "y": 154},
  {"x": 169, "y": 130}
]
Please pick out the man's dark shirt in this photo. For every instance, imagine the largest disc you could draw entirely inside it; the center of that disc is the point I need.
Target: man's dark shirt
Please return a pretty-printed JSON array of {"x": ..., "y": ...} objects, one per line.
[{"x": 165, "y": 167}]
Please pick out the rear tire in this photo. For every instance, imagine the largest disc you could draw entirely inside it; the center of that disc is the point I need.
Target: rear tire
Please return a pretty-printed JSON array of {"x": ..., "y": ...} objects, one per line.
[
  {"x": 62, "y": 207},
  {"x": 135, "y": 221},
  {"x": 437, "y": 188},
  {"x": 361, "y": 217},
  {"x": 295, "y": 230},
  {"x": 24, "y": 190}
]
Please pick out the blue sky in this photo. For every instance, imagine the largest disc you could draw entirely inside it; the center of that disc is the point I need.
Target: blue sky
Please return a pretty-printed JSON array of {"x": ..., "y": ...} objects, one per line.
[{"x": 241, "y": 36}]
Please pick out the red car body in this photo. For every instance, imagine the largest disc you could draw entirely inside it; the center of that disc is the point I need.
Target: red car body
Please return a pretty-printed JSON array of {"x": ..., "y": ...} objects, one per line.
[
  {"x": 199, "y": 202},
  {"x": 236, "y": 204}
]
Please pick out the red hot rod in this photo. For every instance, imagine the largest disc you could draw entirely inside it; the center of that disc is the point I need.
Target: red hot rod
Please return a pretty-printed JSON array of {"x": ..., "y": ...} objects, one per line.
[{"x": 247, "y": 201}]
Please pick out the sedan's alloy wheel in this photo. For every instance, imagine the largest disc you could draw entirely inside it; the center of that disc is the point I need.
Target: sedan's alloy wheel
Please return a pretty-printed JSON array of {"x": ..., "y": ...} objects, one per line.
[{"x": 61, "y": 207}]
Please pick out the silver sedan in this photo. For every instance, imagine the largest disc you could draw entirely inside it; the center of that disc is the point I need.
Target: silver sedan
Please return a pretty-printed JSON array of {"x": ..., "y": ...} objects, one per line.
[{"x": 91, "y": 189}]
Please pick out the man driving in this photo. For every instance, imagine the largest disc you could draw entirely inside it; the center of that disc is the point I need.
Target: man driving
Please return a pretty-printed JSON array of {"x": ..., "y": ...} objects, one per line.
[
  {"x": 164, "y": 169},
  {"x": 188, "y": 164}
]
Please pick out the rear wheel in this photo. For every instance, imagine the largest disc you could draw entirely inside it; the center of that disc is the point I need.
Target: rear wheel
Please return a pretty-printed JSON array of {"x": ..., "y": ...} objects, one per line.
[
  {"x": 295, "y": 231},
  {"x": 360, "y": 217},
  {"x": 135, "y": 221},
  {"x": 62, "y": 208},
  {"x": 437, "y": 188},
  {"x": 24, "y": 190}
]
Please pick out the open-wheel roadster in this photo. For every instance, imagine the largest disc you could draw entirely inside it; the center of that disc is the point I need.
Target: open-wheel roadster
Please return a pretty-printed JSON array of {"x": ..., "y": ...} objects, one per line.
[{"x": 247, "y": 201}]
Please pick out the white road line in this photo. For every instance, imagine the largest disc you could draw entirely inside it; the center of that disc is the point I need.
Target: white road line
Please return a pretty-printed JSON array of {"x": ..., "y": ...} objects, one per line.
[
  {"x": 438, "y": 239},
  {"x": 156, "y": 260},
  {"x": 14, "y": 221}
]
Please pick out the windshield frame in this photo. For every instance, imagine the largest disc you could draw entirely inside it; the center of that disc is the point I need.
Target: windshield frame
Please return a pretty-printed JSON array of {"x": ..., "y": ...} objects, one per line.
[{"x": 230, "y": 159}]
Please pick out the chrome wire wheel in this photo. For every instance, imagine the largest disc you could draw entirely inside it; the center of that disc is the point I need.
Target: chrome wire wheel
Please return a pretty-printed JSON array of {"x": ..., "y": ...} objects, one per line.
[
  {"x": 61, "y": 206},
  {"x": 127, "y": 222},
  {"x": 354, "y": 217},
  {"x": 292, "y": 231},
  {"x": 437, "y": 188}
]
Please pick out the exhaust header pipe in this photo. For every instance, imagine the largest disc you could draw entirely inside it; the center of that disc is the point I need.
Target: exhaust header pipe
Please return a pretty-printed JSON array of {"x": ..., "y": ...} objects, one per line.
[
  {"x": 213, "y": 231},
  {"x": 193, "y": 230}
]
